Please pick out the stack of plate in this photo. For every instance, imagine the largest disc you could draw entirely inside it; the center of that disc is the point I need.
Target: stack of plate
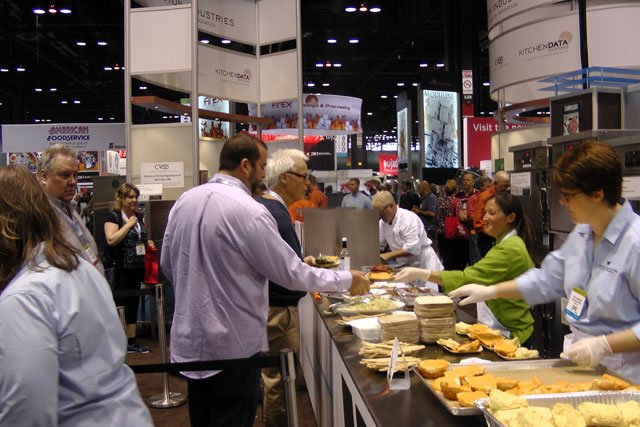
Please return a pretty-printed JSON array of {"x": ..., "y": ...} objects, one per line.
[
  {"x": 404, "y": 326},
  {"x": 367, "y": 329},
  {"x": 436, "y": 317}
]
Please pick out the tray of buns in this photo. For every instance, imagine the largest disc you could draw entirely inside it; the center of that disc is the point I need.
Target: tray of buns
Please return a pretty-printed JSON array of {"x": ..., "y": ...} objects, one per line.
[
  {"x": 457, "y": 385},
  {"x": 599, "y": 408}
]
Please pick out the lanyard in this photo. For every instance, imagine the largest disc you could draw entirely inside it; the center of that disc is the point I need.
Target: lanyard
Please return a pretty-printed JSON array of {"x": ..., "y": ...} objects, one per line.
[{"x": 137, "y": 227}]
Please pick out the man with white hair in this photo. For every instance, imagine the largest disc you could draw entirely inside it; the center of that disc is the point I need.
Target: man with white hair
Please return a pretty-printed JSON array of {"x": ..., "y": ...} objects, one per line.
[
  {"x": 405, "y": 235},
  {"x": 287, "y": 179}
]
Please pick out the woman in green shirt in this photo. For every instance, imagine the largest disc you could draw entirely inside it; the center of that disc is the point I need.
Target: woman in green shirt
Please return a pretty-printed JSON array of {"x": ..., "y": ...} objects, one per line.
[{"x": 509, "y": 258}]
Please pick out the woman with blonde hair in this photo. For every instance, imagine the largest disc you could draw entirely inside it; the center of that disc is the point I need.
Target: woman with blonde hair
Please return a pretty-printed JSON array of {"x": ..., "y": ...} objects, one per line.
[
  {"x": 125, "y": 232},
  {"x": 61, "y": 342}
]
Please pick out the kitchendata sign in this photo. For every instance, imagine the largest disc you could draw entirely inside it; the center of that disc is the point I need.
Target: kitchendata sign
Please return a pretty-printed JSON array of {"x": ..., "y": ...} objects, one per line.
[{"x": 535, "y": 51}]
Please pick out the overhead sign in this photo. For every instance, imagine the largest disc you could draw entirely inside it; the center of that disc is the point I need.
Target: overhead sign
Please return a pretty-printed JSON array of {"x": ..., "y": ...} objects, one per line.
[
  {"x": 403, "y": 139},
  {"x": 499, "y": 10},
  {"x": 79, "y": 136},
  {"x": 467, "y": 84},
  {"x": 388, "y": 164},
  {"x": 231, "y": 19},
  {"x": 342, "y": 145},
  {"x": 441, "y": 133},
  {"x": 169, "y": 174},
  {"x": 535, "y": 51},
  {"x": 227, "y": 75},
  {"x": 323, "y": 115}
]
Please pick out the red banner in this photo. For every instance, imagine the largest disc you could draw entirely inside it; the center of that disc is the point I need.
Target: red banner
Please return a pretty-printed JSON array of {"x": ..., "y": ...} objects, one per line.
[
  {"x": 478, "y": 131},
  {"x": 388, "y": 164}
]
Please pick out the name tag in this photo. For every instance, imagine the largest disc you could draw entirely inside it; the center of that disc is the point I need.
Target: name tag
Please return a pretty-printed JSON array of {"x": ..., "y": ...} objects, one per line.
[
  {"x": 140, "y": 249},
  {"x": 92, "y": 257},
  {"x": 576, "y": 303}
]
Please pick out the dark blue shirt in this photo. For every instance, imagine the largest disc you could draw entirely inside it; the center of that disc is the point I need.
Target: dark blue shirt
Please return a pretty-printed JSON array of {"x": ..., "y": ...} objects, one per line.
[{"x": 278, "y": 295}]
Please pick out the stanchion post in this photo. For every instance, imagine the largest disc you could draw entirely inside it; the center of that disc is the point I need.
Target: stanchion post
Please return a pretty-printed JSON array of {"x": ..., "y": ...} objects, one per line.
[
  {"x": 123, "y": 322},
  {"x": 288, "y": 377},
  {"x": 167, "y": 399}
]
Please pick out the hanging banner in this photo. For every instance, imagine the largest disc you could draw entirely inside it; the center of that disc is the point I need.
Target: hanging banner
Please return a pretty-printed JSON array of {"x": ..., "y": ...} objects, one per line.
[
  {"x": 79, "y": 136},
  {"x": 323, "y": 115},
  {"x": 441, "y": 133},
  {"x": 403, "y": 140},
  {"x": 388, "y": 164}
]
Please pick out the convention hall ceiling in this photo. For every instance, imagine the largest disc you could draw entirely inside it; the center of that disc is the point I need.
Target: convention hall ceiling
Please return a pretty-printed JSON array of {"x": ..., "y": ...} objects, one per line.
[{"x": 72, "y": 62}]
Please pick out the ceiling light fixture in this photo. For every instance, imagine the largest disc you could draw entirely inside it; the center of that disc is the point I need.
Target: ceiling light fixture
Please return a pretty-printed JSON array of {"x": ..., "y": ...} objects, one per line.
[
  {"x": 4, "y": 70},
  {"x": 143, "y": 88},
  {"x": 332, "y": 41},
  {"x": 81, "y": 43},
  {"x": 75, "y": 101},
  {"x": 204, "y": 41},
  {"x": 369, "y": 113},
  {"x": 65, "y": 10},
  {"x": 108, "y": 68},
  {"x": 225, "y": 41},
  {"x": 337, "y": 65},
  {"x": 52, "y": 9},
  {"x": 375, "y": 9},
  {"x": 325, "y": 84},
  {"x": 64, "y": 102},
  {"x": 440, "y": 65},
  {"x": 350, "y": 9},
  {"x": 414, "y": 84},
  {"x": 38, "y": 89},
  {"x": 101, "y": 43},
  {"x": 38, "y": 11},
  {"x": 354, "y": 40},
  {"x": 319, "y": 64},
  {"x": 53, "y": 89},
  {"x": 395, "y": 96},
  {"x": 311, "y": 84},
  {"x": 423, "y": 65},
  {"x": 363, "y": 7},
  {"x": 383, "y": 96},
  {"x": 100, "y": 119},
  {"x": 400, "y": 84},
  {"x": 20, "y": 69},
  {"x": 486, "y": 84}
]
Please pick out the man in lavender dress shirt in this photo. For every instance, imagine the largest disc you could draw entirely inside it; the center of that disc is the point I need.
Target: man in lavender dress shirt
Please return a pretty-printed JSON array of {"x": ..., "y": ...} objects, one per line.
[{"x": 220, "y": 249}]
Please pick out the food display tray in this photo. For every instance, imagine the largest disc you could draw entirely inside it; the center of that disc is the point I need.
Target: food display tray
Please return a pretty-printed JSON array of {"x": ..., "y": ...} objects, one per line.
[
  {"x": 574, "y": 399},
  {"x": 547, "y": 370}
]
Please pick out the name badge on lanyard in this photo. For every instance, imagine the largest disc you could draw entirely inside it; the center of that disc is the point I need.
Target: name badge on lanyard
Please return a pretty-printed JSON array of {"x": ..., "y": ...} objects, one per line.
[
  {"x": 91, "y": 256},
  {"x": 140, "y": 249},
  {"x": 576, "y": 303}
]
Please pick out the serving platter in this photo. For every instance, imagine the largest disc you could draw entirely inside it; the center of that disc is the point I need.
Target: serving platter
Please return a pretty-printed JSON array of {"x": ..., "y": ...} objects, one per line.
[{"x": 348, "y": 310}]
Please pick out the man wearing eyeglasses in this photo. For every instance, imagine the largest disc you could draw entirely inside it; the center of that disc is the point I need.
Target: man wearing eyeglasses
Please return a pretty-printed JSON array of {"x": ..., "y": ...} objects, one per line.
[
  {"x": 404, "y": 233},
  {"x": 287, "y": 179},
  {"x": 355, "y": 199}
]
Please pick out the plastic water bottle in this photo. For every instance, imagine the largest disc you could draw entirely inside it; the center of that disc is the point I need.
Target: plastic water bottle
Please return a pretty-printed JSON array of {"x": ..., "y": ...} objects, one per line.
[{"x": 345, "y": 259}]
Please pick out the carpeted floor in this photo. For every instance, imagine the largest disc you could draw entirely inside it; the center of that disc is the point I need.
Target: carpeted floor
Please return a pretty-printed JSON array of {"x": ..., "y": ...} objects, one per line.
[{"x": 151, "y": 385}]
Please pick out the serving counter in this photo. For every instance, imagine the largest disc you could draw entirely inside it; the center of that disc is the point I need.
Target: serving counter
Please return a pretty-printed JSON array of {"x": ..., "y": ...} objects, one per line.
[{"x": 345, "y": 393}]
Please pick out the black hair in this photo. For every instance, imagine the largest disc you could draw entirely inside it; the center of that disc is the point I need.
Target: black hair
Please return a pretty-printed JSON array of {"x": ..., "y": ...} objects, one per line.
[{"x": 242, "y": 146}]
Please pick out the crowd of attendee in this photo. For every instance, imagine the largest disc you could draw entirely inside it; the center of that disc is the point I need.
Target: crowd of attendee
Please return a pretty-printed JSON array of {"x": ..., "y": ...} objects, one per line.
[{"x": 237, "y": 277}]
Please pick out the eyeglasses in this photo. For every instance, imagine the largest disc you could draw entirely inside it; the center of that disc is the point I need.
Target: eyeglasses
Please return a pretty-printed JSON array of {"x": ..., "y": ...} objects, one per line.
[
  {"x": 305, "y": 177},
  {"x": 566, "y": 196}
]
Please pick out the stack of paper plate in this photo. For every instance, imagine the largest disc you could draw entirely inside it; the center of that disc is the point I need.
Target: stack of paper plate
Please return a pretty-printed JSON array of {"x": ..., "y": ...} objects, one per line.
[
  {"x": 404, "y": 326},
  {"x": 436, "y": 317}
]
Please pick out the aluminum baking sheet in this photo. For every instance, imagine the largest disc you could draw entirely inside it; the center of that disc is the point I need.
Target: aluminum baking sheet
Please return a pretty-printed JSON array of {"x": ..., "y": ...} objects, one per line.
[
  {"x": 547, "y": 370},
  {"x": 574, "y": 399}
]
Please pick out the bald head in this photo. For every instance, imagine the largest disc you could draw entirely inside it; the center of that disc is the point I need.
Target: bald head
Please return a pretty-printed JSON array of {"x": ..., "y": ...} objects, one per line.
[{"x": 502, "y": 181}]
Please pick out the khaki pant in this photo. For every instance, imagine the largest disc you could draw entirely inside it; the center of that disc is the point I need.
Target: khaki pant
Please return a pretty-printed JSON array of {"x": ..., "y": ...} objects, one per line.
[{"x": 282, "y": 332}]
